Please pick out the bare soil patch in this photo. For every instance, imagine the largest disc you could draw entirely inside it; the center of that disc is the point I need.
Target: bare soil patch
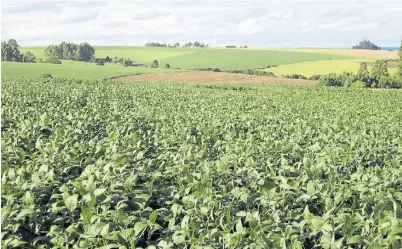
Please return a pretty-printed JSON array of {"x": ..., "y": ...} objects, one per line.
[{"x": 211, "y": 77}]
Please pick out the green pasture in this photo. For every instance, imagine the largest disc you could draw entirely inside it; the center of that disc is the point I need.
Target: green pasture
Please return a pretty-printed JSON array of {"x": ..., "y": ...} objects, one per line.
[
  {"x": 197, "y": 57},
  {"x": 74, "y": 69}
]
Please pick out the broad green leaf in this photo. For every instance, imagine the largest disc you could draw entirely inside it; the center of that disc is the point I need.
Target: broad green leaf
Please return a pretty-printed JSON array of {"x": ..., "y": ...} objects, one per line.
[{"x": 72, "y": 202}]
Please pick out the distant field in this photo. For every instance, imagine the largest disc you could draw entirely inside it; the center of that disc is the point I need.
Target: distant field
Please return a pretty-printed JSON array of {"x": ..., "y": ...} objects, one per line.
[
  {"x": 197, "y": 57},
  {"x": 290, "y": 61},
  {"x": 73, "y": 69},
  {"x": 321, "y": 67},
  {"x": 360, "y": 53}
]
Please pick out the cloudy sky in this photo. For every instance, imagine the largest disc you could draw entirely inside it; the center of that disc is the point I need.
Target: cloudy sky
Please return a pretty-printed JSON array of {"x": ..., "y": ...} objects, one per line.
[{"x": 257, "y": 23}]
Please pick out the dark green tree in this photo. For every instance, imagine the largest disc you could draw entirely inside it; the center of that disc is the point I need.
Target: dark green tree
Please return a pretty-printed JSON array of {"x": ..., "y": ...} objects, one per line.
[
  {"x": 28, "y": 57},
  {"x": 13, "y": 42},
  {"x": 155, "y": 64},
  {"x": 6, "y": 52},
  {"x": 84, "y": 52},
  {"x": 366, "y": 45}
]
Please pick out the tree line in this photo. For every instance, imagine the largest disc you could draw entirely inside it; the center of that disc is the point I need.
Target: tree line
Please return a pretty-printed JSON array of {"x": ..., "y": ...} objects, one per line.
[
  {"x": 68, "y": 51},
  {"x": 377, "y": 77},
  {"x": 366, "y": 45},
  {"x": 196, "y": 44},
  {"x": 10, "y": 52}
]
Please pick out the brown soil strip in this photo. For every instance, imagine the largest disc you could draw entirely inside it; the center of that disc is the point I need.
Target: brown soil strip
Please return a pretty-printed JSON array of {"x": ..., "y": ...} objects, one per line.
[{"x": 212, "y": 77}]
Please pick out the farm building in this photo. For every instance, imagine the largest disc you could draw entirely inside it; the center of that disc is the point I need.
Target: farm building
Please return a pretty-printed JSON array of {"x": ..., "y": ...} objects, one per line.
[{"x": 226, "y": 46}]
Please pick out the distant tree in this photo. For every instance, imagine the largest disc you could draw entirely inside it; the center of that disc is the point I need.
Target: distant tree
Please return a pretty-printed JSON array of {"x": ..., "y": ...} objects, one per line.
[
  {"x": 363, "y": 73},
  {"x": 51, "y": 52},
  {"x": 6, "y": 52},
  {"x": 13, "y": 42},
  {"x": 107, "y": 59},
  {"x": 67, "y": 50},
  {"x": 245, "y": 46},
  {"x": 399, "y": 72},
  {"x": 366, "y": 45},
  {"x": 28, "y": 57},
  {"x": 155, "y": 64},
  {"x": 176, "y": 45},
  {"x": 84, "y": 52},
  {"x": 10, "y": 53},
  {"x": 126, "y": 62},
  {"x": 380, "y": 68}
]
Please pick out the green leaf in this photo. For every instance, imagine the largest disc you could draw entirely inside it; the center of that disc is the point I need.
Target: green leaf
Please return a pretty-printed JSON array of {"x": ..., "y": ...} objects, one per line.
[
  {"x": 355, "y": 239},
  {"x": 153, "y": 216},
  {"x": 268, "y": 184},
  {"x": 139, "y": 227},
  {"x": 28, "y": 200},
  {"x": 105, "y": 230},
  {"x": 99, "y": 191},
  {"x": 25, "y": 212},
  {"x": 72, "y": 202}
]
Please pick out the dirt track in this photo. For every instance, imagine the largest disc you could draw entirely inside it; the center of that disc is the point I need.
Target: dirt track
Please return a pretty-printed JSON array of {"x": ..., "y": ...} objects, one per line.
[{"x": 211, "y": 77}]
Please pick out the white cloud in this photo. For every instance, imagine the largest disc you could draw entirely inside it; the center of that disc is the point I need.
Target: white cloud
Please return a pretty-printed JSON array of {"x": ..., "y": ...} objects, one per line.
[{"x": 255, "y": 23}]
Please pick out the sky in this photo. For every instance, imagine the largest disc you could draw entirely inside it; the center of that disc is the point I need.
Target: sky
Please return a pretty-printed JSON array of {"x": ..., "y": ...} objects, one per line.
[{"x": 255, "y": 23}]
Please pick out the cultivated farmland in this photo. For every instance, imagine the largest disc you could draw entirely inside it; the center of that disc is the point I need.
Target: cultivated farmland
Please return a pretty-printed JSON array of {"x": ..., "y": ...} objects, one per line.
[
  {"x": 103, "y": 164},
  {"x": 289, "y": 61}
]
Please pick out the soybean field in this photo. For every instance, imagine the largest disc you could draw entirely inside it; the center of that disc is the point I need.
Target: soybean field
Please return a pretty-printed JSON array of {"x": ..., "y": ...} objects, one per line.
[{"x": 104, "y": 164}]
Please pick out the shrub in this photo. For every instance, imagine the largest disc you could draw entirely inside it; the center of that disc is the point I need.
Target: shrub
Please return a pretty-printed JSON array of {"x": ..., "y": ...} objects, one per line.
[
  {"x": 46, "y": 76},
  {"x": 314, "y": 77},
  {"x": 252, "y": 72},
  {"x": 330, "y": 80},
  {"x": 167, "y": 65},
  {"x": 358, "y": 84},
  {"x": 53, "y": 61},
  {"x": 155, "y": 64},
  {"x": 295, "y": 76},
  {"x": 127, "y": 62},
  {"x": 100, "y": 63}
]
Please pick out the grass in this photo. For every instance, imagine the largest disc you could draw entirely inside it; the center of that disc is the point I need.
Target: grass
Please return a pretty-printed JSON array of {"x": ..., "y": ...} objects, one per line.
[
  {"x": 74, "y": 69},
  {"x": 227, "y": 59},
  {"x": 309, "y": 68}
]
